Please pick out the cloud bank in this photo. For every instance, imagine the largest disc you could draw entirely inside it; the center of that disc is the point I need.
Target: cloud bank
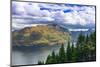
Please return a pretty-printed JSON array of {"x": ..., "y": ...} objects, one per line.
[{"x": 28, "y": 14}]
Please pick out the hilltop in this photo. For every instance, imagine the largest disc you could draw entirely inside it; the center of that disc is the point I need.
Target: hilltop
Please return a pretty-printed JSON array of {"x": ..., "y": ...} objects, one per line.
[{"x": 40, "y": 35}]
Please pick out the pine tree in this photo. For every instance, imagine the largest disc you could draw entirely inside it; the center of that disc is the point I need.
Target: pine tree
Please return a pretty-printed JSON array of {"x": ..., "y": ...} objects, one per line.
[
  {"x": 87, "y": 39},
  {"x": 68, "y": 53},
  {"x": 62, "y": 54},
  {"x": 48, "y": 61},
  {"x": 51, "y": 59},
  {"x": 81, "y": 38},
  {"x": 85, "y": 50},
  {"x": 92, "y": 47},
  {"x": 53, "y": 56},
  {"x": 79, "y": 52},
  {"x": 73, "y": 53},
  {"x": 57, "y": 58},
  {"x": 40, "y": 63}
]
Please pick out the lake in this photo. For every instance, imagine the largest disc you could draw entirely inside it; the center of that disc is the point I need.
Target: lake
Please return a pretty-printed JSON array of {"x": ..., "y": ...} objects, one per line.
[{"x": 32, "y": 54}]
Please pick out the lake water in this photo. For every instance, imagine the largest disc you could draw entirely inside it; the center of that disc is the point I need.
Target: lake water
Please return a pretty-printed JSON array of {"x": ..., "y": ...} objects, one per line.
[{"x": 31, "y": 55}]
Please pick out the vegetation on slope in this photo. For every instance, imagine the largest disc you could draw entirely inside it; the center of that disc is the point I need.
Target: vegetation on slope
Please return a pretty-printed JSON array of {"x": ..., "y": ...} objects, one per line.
[
  {"x": 42, "y": 34},
  {"x": 84, "y": 51}
]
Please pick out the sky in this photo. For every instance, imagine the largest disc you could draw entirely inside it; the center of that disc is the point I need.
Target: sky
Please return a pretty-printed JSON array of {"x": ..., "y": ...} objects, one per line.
[{"x": 26, "y": 14}]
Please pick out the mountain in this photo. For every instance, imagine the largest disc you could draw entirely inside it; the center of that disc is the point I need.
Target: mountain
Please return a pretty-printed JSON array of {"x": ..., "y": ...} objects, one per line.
[
  {"x": 40, "y": 35},
  {"x": 73, "y": 26}
]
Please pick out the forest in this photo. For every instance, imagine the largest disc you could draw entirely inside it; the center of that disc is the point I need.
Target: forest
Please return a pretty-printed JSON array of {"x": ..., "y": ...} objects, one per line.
[{"x": 83, "y": 51}]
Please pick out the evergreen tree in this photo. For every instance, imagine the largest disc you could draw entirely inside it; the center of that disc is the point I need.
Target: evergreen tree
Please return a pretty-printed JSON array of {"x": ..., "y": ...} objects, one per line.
[
  {"x": 87, "y": 39},
  {"x": 73, "y": 52},
  {"x": 57, "y": 58},
  {"x": 53, "y": 56},
  {"x": 51, "y": 59},
  {"x": 40, "y": 63},
  {"x": 48, "y": 61},
  {"x": 79, "y": 52},
  {"x": 81, "y": 38},
  {"x": 84, "y": 50},
  {"x": 62, "y": 54},
  {"x": 68, "y": 53}
]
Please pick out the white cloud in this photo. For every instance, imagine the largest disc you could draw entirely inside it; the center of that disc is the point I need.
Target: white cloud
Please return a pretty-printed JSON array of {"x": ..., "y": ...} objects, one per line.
[
  {"x": 19, "y": 22},
  {"x": 18, "y": 7},
  {"x": 82, "y": 15},
  {"x": 25, "y": 8}
]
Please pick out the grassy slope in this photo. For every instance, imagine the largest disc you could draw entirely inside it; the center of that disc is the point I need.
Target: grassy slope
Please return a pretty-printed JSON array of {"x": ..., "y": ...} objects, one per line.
[{"x": 40, "y": 35}]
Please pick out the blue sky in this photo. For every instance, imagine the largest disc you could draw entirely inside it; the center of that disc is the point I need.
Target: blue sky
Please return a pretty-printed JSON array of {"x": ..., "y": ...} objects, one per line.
[{"x": 26, "y": 13}]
